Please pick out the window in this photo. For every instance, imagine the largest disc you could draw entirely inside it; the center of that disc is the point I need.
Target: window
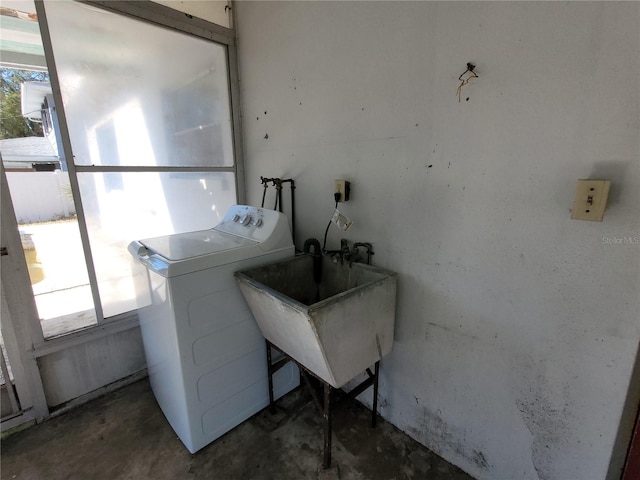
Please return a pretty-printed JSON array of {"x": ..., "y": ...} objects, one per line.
[{"x": 147, "y": 120}]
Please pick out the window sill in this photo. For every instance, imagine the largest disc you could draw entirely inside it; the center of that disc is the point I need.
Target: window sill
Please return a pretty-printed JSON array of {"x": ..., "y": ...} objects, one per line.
[{"x": 118, "y": 324}]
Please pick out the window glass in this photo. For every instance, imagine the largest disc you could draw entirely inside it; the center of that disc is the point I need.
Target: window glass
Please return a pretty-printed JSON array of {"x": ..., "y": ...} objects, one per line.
[
  {"x": 52, "y": 248},
  {"x": 127, "y": 206},
  {"x": 136, "y": 94}
]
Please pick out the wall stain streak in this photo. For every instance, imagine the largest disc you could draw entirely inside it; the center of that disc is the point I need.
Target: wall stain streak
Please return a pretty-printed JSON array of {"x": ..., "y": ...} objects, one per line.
[
  {"x": 547, "y": 426},
  {"x": 440, "y": 437},
  {"x": 448, "y": 330}
]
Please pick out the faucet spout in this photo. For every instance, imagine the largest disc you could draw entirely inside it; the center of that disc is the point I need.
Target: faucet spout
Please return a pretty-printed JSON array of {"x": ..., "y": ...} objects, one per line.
[
  {"x": 365, "y": 245},
  {"x": 317, "y": 257},
  {"x": 311, "y": 242}
]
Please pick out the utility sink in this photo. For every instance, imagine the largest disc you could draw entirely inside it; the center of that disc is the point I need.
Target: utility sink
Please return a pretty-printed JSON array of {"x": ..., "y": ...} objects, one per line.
[{"x": 336, "y": 327}]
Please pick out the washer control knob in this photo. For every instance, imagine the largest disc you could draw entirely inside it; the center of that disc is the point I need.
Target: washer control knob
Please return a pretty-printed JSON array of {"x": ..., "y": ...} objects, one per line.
[
  {"x": 246, "y": 220},
  {"x": 257, "y": 222},
  {"x": 236, "y": 218}
]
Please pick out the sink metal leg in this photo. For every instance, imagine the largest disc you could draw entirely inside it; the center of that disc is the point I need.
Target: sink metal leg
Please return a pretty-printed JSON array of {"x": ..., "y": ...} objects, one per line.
[
  {"x": 326, "y": 407},
  {"x": 270, "y": 372},
  {"x": 272, "y": 368},
  {"x": 374, "y": 413},
  {"x": 326, "y": 461}
]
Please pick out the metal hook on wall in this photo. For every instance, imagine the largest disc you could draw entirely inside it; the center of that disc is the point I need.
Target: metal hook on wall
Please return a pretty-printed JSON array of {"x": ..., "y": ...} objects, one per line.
[{"x": 464, "y": 80}]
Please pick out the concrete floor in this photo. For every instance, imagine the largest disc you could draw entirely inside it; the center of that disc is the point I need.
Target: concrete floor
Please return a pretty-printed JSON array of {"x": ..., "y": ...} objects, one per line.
[{"x": 124, "y": 436}]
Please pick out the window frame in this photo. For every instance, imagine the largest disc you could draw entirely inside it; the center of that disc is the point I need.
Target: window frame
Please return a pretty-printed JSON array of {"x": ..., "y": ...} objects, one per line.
[{"x": 163, "y": 17}]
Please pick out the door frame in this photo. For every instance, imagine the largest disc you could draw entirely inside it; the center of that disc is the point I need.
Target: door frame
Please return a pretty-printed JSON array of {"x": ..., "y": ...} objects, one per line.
[
  {"x": 19, "y": 316},
  {"x": 632, "y": 464}
]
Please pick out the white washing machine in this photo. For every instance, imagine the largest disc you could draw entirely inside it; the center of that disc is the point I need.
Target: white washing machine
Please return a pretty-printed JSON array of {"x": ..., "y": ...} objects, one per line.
[{"x": 205, "y": 354}]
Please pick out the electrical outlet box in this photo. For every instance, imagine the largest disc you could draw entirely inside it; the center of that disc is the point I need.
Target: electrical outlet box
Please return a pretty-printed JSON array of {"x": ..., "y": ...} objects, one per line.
[
  {"x": 590, "y": 200},
  {"x": 343, "y": 187}
]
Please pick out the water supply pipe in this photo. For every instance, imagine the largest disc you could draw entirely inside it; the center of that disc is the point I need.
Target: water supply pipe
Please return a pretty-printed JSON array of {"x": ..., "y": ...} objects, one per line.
[
  {"x": 277, "y": 182},
  {"x": 317, "y": 257}
]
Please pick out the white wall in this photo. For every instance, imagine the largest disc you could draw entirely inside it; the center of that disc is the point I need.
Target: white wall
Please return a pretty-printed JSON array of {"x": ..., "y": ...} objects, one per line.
[
  {"x": 86, "y": 367},
  {"x": 214, "y": 11},
  {"x": 517, "y": 327},
  {"x": 40, "y": 196}
]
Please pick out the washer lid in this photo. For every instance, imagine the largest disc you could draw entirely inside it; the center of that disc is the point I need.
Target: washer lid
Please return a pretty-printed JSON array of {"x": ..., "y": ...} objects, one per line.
[{"x": 182, "y": 246}]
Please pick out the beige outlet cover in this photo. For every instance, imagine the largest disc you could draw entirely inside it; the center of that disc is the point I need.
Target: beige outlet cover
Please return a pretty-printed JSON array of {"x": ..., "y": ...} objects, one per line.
[{"x": 590, "y": 200}]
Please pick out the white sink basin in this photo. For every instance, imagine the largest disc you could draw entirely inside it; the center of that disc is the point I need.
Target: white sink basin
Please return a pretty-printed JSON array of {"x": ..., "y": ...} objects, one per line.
[{"x": 336, "y": 328}]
